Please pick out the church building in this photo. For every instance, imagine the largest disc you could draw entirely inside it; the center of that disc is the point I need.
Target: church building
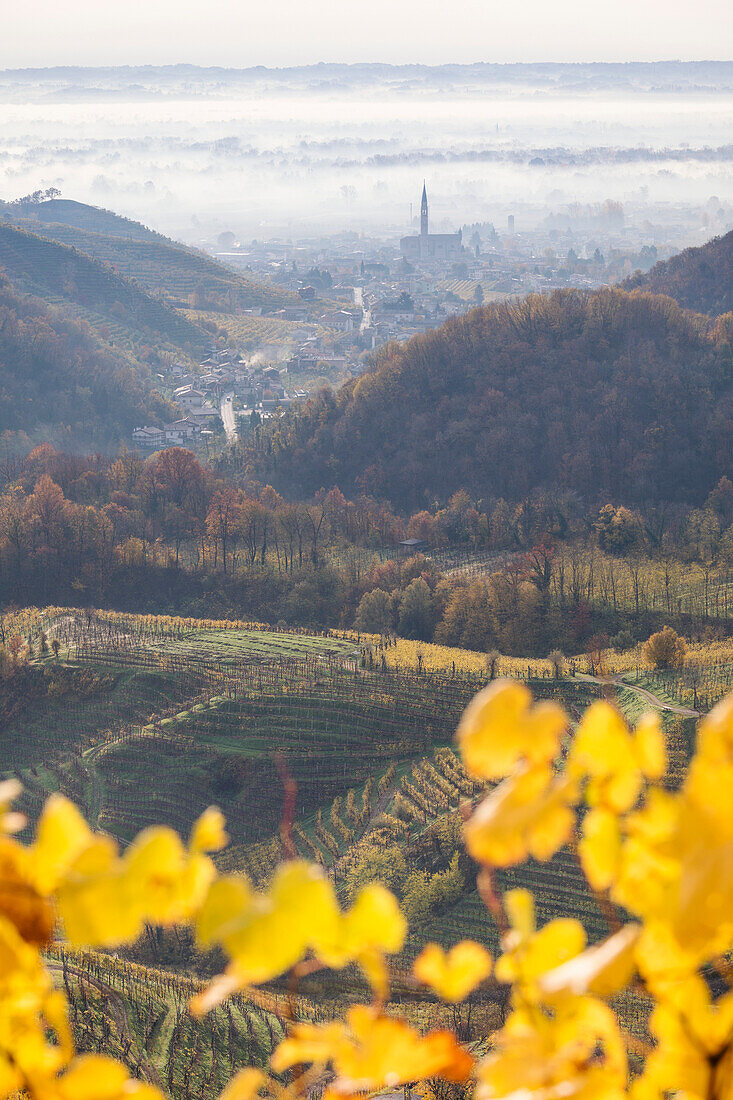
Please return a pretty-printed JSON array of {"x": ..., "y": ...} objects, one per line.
[{"x": 430, "y": 246}]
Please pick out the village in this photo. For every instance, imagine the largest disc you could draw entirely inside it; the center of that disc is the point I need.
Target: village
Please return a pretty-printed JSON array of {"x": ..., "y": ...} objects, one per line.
[{"x": 357, "y": 293}]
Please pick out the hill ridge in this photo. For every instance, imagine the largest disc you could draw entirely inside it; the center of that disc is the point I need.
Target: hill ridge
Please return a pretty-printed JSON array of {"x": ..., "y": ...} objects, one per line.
[
  {"x": 41, "y": 265},
  {"x": 158, "y": 263},
  {"x": 698, "y": 278},
  {"x": 609, "y": 393}
]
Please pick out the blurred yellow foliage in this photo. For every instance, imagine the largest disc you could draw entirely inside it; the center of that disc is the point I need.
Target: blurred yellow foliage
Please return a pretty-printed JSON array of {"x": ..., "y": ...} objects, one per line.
[{"x": 455, "y": 973}]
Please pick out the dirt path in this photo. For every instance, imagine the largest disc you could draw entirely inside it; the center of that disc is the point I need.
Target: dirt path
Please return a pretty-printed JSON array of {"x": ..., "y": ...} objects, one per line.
[
  {"x": 95, "y": 795},
  {"x": 649, "y": 696}
]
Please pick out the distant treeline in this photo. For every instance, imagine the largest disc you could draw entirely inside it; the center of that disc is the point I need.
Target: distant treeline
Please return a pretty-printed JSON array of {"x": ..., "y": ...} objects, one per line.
[{"x": 168, "y": 535}]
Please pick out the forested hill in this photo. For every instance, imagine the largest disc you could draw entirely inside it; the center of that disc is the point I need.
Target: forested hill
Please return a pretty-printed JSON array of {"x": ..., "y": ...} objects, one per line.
[
  {"x": 609, "y": 393},
  {"x": 64, "y": 275},
  {"x": 698, "y": 278},
  {"x": 59, "y": 383},
  {"x": 160, "y": 265}
]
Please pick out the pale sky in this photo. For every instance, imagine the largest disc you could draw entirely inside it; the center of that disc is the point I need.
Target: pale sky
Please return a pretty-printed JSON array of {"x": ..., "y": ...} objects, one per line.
[{"x": 241, "y": 33}]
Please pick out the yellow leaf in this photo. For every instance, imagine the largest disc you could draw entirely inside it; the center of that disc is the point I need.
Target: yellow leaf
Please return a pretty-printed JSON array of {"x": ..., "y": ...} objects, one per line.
[
  {"x": 267, "y": 933},
  {"x": 94, "y": 1077},
  {"x": 61, "y": 837},
  {"x": 374, "y": 968},
  {"x": 100, "y": 910},
  {"x": 303, "y": 889},
  {"x": 519, "y": 907},
  {"x": 600, "y": 848},
  {"x": 649, "y": 746},
  {"x": 10, "y": 821},
  {"x": 615, "y": 761},
  {"x": 601, "y": 970},
  {"x": 576, "y": 1052},
  {"x": 20, "y": 901},
  {"x": 528, "y": 814},
  {"x": 208, "y": 833},
  {"x": 374, "y": 921},
  {"x": 167, "y": 882},
  {"x": 10, "y": 790},
  {"x": 373, "y": 1051},
  {"x": 228, "y": 900},
  {"x": 216, "y": 992},
  {"x": 526, "y": 960},
  {"x": 453, "y": 975},
  {"x": 388, "y": 1052},
  {"x": 715, "y": 733},
  {"x": 501, "y": 729},
  {"x": 311, "y": 1044},
  {"x": 244, "y": 1085}
]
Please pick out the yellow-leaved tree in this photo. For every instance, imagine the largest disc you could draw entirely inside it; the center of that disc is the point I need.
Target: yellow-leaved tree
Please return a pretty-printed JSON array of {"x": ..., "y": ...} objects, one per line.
[{"x": 659, "y": 862}]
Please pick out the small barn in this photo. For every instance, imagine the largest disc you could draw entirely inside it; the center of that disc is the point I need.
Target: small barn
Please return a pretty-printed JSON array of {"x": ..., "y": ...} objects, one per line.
[{"x": 411, "y": 546}]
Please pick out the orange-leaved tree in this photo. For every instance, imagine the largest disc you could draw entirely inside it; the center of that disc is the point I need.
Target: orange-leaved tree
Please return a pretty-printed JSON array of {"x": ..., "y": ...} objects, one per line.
[
  {"x": 665, "y": 649},
  {"x": 660, "y": 863}
]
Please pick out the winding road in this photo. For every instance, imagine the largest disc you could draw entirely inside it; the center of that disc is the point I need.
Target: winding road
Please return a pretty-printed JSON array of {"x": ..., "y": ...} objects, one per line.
[{"x": 227, "y": 416}]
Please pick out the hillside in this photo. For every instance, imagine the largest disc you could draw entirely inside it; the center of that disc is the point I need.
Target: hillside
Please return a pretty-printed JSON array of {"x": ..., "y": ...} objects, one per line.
[
  {"x": 160, "y": 265},
  {"x": 64, "y": 275},
  {"x": 194, "y": 713},
  {"x": 311, "y": 753},
  {"x": 609, "y": 394},
  {"x": 698, "y": 278},
  {"x": 197, "y": 718},
  {"x": 59, "y": 383}
]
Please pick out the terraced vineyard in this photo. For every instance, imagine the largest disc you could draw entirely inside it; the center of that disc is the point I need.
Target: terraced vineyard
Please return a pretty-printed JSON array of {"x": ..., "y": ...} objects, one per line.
[
  {"x": 250, "y": 333},
  {"x": 64, "y": 275},
  {"x": 139, "y": 1015},
  {"x": 109, "y": 329},
  {"x": 559, "y": 888},
  {"x": 161, "y": 265},
  {"x": 466, "y": 289},
  {"x": 235, "y": 645},
  {"x": 150, "y": 719},
  {"x": 331, "y": 727}
]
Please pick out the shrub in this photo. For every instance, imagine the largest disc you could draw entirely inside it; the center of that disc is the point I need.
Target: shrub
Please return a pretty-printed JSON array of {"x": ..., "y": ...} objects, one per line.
[
  {"x": 622, "y": 641},
  {"x": 665, "y": 649}
]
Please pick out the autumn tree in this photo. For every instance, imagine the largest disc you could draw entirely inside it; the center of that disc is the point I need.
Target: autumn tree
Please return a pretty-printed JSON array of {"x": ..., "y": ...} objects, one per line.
[
  {"x": 221, "y": 522},
  {"x": 665, "y": 649},
  {"x": 374, "y": 613},
  {"x": 416, "y": 615},
  {"x": 557, "y": 660}
]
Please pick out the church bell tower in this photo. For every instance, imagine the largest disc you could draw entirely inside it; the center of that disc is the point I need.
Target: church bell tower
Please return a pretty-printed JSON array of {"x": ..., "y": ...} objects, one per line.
[
  {"x": 423, "y": 247},
  {"x": 424, "y": 212}
]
